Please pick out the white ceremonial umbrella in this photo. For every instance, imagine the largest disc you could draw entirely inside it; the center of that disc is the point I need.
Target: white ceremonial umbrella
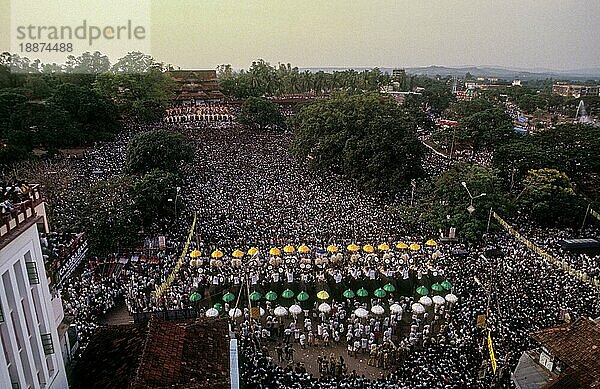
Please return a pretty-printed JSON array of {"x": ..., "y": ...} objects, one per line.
[
  {"x": 439, "y": 300},
  {"x": 418, "y": 308},
  {"x": 361, "y": 312},
  {"x": 235, "y": 312},
  {"x": 280, "y": 311},
  {"x": 451, "y": 298},
  {"x": 395, "y": 308},
  {"x": 377, "y": 309},
  {"x": 425, "y": 301},
  {"x": 295, "y": 309},
  {"x": 212, "y": 312},
  {"x": 325, "y": 308}
]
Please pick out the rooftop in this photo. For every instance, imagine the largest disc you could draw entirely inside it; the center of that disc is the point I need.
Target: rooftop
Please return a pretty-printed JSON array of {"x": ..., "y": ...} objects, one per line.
[
  {"x": 185, "y": 354},
  {"x": 577, "y": 345},
  {"x": 162, "y": 354}
]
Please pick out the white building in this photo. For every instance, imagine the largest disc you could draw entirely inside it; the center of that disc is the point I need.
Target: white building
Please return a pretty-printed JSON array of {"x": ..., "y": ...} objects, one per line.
[{"x": 31, "y": 354}]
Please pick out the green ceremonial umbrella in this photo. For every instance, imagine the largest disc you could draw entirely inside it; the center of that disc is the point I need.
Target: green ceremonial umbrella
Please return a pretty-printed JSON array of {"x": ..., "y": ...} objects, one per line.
[
  {"x": 218, "y": 307},
  {"x": 271, "y": 296},
  {"x": 362, "y": 292},
  {"x": 446, "y": 285},
  {"x": 348, "y": 294},
  {"x": 379, "y": 293},
  {"x": 302, "y": 296},
  {"x": 437, "y": 287},
  {"x": 422, "y": 290},
  {"x": 389, "y": 288},
  {"x": 228, "y": 297},
  {"x": 287, "y": 294},
  {"x": 195, "y": 297},
  {"x": 255, "y": 296}
]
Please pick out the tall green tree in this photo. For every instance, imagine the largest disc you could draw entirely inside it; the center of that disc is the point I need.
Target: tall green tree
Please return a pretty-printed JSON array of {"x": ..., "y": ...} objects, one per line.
[
  {"x": 445, "y": 202},
  {"x": 570, "y": 148},
  {"x": 156, "y": 196},
  {"x": 363, "y": 136},
  {"x": 260, "y": 112},
  {"x": 490, "y": 129},
  {"x": 95, "y": 114},
  {"x": 549, "y": 198},
  {"x": 156, "y": 149},
  {"x": 142, "y": 97}
]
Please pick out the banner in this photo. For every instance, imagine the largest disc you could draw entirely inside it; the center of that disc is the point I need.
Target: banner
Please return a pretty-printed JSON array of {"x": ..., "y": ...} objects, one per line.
[
  {"x": 255, "y": 312},
  {"x": 491, "y": 349},
  {"x": 545, "y": 256},
  {"x": 160, "y": 290},
  {"x": 481, "y": 321},
  {"x": 594, "y": 214}
]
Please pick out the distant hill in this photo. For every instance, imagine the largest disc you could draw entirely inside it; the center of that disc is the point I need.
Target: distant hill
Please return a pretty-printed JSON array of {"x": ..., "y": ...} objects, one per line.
[{"x": 489, "y": 71}]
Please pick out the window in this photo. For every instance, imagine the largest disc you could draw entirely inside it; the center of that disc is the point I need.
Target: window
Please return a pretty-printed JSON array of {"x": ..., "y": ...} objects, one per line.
[
  {"x": 32, "y": 272},
  {"x": 47, "y": 344},
  {"x": 1, "y": 315},
  {"x": 15, "y": 385}
]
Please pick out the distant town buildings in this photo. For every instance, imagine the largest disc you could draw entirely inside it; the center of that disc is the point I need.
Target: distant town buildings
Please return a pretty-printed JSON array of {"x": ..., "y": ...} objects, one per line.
[
  {"x": 398, "y": 73},
  {"x": 575, "y": 90}
]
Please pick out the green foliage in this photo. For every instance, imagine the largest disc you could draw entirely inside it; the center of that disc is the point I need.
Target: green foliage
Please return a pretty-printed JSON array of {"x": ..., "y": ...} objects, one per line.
[
  {"x": 88, "y": 63},
  {"x": 156, "y": 149},
  {"x": 549, "y": 199},
  {"x": 108, "y": 216},
  {"x": 8, "y": 102},
  {"x": 263, "y": 79},
  {"x": 364, "y": 136},
  {"x": 95, "y": 115},
  {"x": 38, "y": 86},
  {"x": 436, "y": 96},
  {"x": 44, "y": 124},
  {"x": 480, "y": 125},
  {"x": 140, "y": 96},
  {"x": 135, "y": 62},
  {"x": 489, "y": 128},
  {"x": 261, "y": 113},
  {"x": 444, "y": 202},
  {"x": 460, "y": 110},
  {"x": 570, "y": 148},
  {"x": 154, "y": 196}
]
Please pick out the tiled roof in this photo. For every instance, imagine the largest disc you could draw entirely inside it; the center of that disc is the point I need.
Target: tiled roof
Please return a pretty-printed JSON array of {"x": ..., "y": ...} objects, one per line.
[
  {"x": 577, "y": 345},
  {"x": 184, "y": 354},
  {"x": 110, "y": 359},
  {"x": 161, "y": 359},
  {"x": 189, "y": 354}
]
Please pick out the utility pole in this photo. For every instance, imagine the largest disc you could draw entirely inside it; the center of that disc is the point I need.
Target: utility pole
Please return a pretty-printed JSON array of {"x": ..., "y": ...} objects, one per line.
[{"x": 585, "y": 217}]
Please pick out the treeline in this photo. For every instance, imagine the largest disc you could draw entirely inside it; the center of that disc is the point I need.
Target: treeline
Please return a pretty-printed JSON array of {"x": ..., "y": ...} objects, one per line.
[
  {"x": 264, "y": 79},
  {"x": 77, "y": 104}
]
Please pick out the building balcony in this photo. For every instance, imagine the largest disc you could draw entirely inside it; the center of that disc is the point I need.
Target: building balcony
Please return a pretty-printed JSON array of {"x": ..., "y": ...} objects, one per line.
[{"x": 23, "y": 214}]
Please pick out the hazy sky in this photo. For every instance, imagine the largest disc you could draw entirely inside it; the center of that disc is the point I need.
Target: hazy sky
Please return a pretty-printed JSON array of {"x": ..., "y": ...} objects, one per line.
[{"x": 556, "y": 34}]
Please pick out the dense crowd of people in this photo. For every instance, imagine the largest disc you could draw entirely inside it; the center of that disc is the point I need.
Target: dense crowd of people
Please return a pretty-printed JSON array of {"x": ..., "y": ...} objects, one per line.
[
  {"x": 13, "y": 197},
  {"x": 248, "y": 192}
]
